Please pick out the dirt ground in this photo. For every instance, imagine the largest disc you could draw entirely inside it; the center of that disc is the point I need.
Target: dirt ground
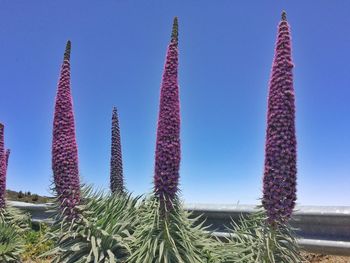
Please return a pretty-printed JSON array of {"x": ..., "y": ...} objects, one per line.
[{"x": 316, "y": 258}]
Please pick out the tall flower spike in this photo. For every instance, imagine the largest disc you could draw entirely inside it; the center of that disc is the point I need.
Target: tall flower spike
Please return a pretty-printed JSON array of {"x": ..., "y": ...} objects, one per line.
[
  {"x": 116, "y": 176},
  {"x": 64, "y": 146},
  {"x": 8, "y": 151},
  {"x": 279, "y": 193},
  {"x": 2, "y": 168},
  {"x": 167, "y": 160},
  {"x": 175, "y": 31}
]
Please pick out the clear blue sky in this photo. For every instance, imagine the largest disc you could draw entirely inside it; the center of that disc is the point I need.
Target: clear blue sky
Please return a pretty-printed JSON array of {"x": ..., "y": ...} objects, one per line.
[{"x": 226, "y": 51}]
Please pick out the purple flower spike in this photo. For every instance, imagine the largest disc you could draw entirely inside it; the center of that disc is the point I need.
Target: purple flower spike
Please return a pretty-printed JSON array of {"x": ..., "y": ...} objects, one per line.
[
  {"x": 279, "y": 194},
  {"x": 3, "y": 168},
  {"x": 116, "y": 177},
  {"x": 64, "y": 146},
  {"x": 167, "y": 161}
]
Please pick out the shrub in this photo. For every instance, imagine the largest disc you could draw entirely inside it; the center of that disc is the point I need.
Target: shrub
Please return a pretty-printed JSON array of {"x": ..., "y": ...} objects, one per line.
[
  {"x": 36, "y": 243},
  {"x": 13, "y": 223},
  {"x": 35, "y": 198},
  {"x": 11, "y": 243},
  {"x": 177, "y": 238},
  {"x": 15, "y": 217},
  {"x": 259, "y": 241},
  {"x": 101, "y": 233},
  {"x": 20, "y": 194}
]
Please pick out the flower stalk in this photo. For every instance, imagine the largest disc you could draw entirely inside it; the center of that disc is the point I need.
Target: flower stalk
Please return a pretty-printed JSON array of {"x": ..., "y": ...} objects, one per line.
[
  {"x": 3, "y": 168},
  {"x": 116, "y": 173},
  {"x": 64, "y": 146},
  {"x": 279, "y": 182},
  {"x": 168, "y": 152}
]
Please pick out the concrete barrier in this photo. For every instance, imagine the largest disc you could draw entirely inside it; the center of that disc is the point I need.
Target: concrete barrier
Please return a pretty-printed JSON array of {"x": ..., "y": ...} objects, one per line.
[{"x": 320, "y": 229}]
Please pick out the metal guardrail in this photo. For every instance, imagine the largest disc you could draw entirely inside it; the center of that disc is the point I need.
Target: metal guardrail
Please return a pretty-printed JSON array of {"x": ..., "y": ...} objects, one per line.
[
  {"x": 40, "y": 213},
  {"x": 320, "y": 229}
]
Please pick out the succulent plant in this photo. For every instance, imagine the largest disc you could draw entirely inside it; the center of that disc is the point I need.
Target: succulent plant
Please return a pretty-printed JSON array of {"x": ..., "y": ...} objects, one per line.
[
  {"x": 13, "y": 224},
  {"x": 116, "y": 176},
  {"x": 101, "y": 233},
  {"x": 254, "y": 239},
  {"x": 15, "y": 217},
  {"x": 11, "y": 243},
  {"x": 179, "y": 238},
  {"x": 279, "y": 193},
  {"x": 64, "y": 146},
  {"x": 167, "y": 160},
  {"x": 167, "y": 233}
]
